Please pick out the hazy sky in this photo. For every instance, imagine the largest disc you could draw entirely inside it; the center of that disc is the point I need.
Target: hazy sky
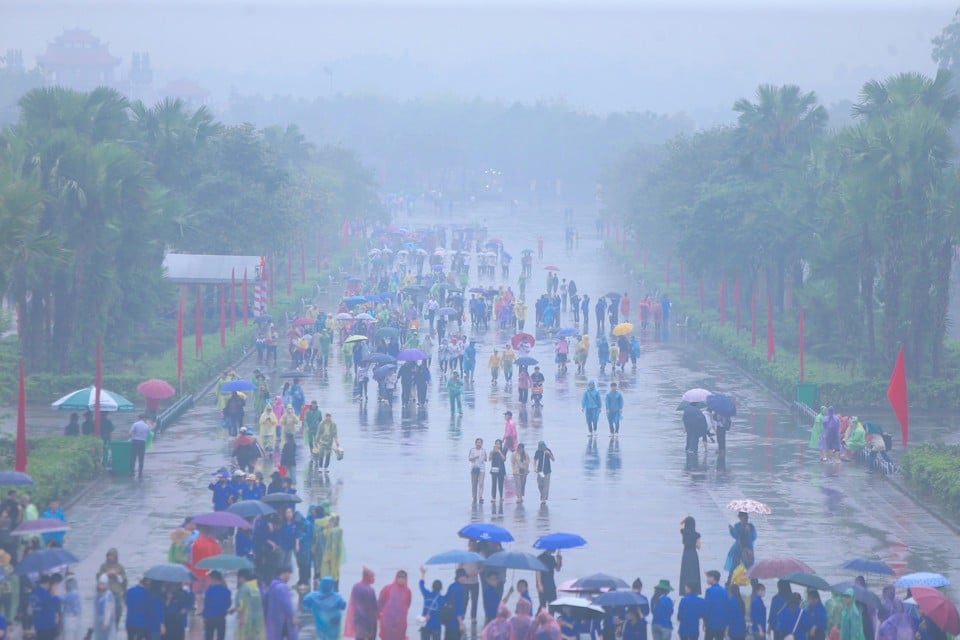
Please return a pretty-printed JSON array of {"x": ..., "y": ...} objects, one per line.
[{"x": 663, "y": 56}]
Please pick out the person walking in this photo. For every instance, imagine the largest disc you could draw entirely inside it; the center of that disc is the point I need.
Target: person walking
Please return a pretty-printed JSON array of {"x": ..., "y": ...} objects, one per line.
[
  {"x": 543, "y": 466},
  {"x": 478, "y": 460},
  {"x": 510, "y": 436},
  {"x": 281, "y": 614},
  {"x": 614, "y": 406},
  {"x": 524, "y": 382},
  {"x": 494, "y": 363},
  {"x": 455, "y": 393},
  {"x": 590, "y": 405},
  {"x": 362, "y": 615},
  {"x": 690, "y": 562},
  {"x": 546, "y": 582},
  {"x": 520, "y": 462},
  {"x": 104, "y": 620},
  {"x": 498, "y": 470},
  {"x": 139, "y": 431},
  {"x": 327, "y": 607},
  {"x": 117, "y": 577},
  {"x": 328, "y": 439}
]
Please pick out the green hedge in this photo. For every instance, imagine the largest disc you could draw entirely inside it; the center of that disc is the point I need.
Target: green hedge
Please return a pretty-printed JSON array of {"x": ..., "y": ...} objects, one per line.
[
  {"x": 59, "y": 465},
  {"x": 934, "y": 470}
]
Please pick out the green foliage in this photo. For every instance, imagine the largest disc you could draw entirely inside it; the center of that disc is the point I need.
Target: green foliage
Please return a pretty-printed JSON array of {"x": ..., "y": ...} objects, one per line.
[
  {"x": 934, "y": 470},
  {"x": 59, "y": 465}
]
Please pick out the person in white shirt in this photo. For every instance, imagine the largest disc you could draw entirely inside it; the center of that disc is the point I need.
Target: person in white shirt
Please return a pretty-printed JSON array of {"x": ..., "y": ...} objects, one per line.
[
  {"x": 139, "y": 431},
  {"x": 478, "y": 461}
]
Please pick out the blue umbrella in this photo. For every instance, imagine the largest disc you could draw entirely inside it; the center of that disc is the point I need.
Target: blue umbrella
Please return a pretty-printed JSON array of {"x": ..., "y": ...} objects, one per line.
[
  {"x": 238, "y": 385},
  {"x": 515, "y": 560},
  {"x": 485, "y": 531},
  {"x": 44, "y": 561},
  {"x": 525, "y": 361},
  {"x": 411, "y": 355},
  {"x": 567, "y": 332},
  {"x": 559, "y": 540},
  {"x": 379, "y": 358},
  {"x": 14, "y": 478},
  {"x": 866, "y": 565},
  {"x": 373, "y": 298},
  {"x": 169, "y": 573},
  {"x": 250, "y": 508},
  {"x": 621, "y": 598},
  {"x": 721, "y": 404},
  {"x": 353, "y": 300},
  {"x": 922, "y": 579},
  {"x": 455, "y": 557},
  {"x": 382, "y": 372}
]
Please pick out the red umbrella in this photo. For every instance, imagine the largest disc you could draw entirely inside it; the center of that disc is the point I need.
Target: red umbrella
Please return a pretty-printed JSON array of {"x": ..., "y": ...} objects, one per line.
[
  {"x": 300, "y": 322},
  {"x": 520, "y": 338},
  {"x": 770, "y": 568},
  {"x": 936, "y": 606},
  {"x": 156, "y": 389},
  {"x": 550, "y": 267}
]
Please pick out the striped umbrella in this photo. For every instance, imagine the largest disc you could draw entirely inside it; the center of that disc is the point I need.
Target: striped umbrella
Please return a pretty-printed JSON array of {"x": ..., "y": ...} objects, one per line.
[{"x": 84, "y": 399}]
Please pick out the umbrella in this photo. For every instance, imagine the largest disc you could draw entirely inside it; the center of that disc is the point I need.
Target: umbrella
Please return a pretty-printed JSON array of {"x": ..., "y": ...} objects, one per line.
[
  {"x": 520, "y": 338},
  {"x": 365, "y": 316},
  {"x": 169, "y": 573},
  {"x": 721, "y": 404},
  {"x": 40, "y": 525},
  {"x": 446, "y": 286},
  {"x": 293, "y": 374},
  {"x": 387, "y": 332},
  {"x": 807, "y": 580},
  {"x": 372, "y": 298},
  {"x": 922, "y": 579},
  {"x": 567, "y": 332},
  {"x": 938, "y": 608},
  {"x": 83, "y": 399},
  {"x": 527, "y": 252},
  {"x": 559, "y": 541},
  {"x": 382, "y": 372},
  {"x": 749, "y": 506},
  {"x": 485, "y": 531},
  {"x": 156, "y": 389},
  {"x": 455, "y": 557},
  {"x": 684, "y": 404},
  {"x": 582, "y": 607},
  {"x": 525, "y": 361},
  {"x": 613, "y": 294},
  {"x": 281, "y": 498},
  {"x": 343, "y": 316},
  {"x": 860, "y": 594},
  {"x": 515, "y": 560},
  {"x": 411, "y": 355},
  {"x": 221, "y": 519},
  {"x": 250, "y": 508},
  {"x": 695, "y": 395},
  {"x": 865, "y": 565},
  {"x": 598, "y": 581},
  {"x": 379, "y": 358},
  {"x": 354, "y": 300},
  {"x": 623, "y": 329},
  {"x": 355, "y": 338},
  {"x": 769, "y": 568},
  {"x": 550, "y": 267},
  {"x": 620, "y": 598},
  {"x": 45, "y": 560},
  {"x": 238, "y": 385},
  {"x": 478, "y": 290},
  {"x": 302, "y": 322},
  {"x": 14, "y": 478},
  {"x": 447, "y": 311},
  {"x": 225, "y": 562}
]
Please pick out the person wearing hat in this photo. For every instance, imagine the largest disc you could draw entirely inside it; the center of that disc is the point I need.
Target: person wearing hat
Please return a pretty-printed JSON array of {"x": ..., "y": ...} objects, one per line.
[
  {"x": 246, "y": 451},
  {"x": 661, "y": 606},
  {"x": 221, "y": 490},
  {"x": 104, "y": 611},
  {"x": 117, "y": 577},
  {"x": 250, "y": 490}
]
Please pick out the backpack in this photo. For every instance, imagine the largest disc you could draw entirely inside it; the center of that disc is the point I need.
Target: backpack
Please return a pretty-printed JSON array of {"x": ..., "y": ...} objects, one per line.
[{"x": 448, "y": 613}]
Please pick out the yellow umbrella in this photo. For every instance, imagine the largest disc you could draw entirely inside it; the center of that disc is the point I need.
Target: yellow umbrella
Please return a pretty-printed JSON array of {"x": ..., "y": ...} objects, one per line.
[
  {"x": 622, "y": 329},
  {"x": 356, "y": 338}
]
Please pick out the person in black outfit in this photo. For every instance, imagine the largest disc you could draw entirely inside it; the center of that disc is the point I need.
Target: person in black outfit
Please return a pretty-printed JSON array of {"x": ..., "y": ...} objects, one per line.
[
  {"x": 546, "y": 585},
  {"x": 695, "y": 424}
]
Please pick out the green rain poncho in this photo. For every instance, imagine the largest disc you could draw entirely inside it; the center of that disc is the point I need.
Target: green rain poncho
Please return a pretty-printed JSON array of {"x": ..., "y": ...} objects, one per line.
[{"x": 817, "y": 431}]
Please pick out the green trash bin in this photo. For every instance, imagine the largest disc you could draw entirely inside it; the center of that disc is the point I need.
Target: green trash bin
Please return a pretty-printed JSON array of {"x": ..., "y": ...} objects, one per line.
[
  {"x": 120, "y": 454},
  {"x": 808, "y": 393}
]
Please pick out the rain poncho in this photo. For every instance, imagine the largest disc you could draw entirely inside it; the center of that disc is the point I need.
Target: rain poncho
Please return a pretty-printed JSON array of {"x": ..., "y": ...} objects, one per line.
[
  {"x": 290, "y": 422},
  {"x": 856, "y": 436},
  {"x": 393, "y": 605},
  {"x": 603, "y": 351},
  {"x": 281, "y": 614},
  {"x": 499, "y": 627},
  {"x": 362, "y": 610},
  {"x": 327, "y": 607},
  {"x": 268, "y": 428},
  {"x": 817, "y": 432},
  {"x": 851, "y": 623},
  {"x": 744, "y": 535},
  {"x": 334, "y": 552},
  {"x": 521, "y": 623}
]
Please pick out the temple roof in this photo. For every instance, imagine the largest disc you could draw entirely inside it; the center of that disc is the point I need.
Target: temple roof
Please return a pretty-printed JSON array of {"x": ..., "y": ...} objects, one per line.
[{"x": 77, "y": 47}]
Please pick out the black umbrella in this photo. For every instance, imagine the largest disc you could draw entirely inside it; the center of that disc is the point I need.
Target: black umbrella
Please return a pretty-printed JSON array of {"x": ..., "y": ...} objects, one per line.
[
  {"x": 598, "y": 581},
  {"x": 860, "y": 594},
  {"x": 250, "y": 508},
  {"x": 280, "y": 498}
]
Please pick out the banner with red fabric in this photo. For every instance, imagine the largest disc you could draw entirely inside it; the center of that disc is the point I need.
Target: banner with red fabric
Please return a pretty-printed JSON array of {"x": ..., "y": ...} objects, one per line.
[{"x": 897, "y": 395}]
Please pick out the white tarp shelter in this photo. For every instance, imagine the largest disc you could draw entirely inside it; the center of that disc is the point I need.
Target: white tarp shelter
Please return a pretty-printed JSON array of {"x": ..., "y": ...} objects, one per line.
[{"x": 191, "y": 268}]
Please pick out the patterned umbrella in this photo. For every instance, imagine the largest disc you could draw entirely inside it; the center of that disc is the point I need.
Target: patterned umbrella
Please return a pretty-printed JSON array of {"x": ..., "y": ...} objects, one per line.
[
  {"x": 769, "y": 568},
  {"x": 749, "y": 506},
  {"x": 83, "y": 399},
  {"x": 922, "y": 579}
]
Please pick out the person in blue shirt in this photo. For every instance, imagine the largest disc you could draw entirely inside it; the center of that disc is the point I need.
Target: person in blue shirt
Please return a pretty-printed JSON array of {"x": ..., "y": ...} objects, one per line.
[
  {"x": 136, "y": 601},
  {"x": 44, "y": 610},
  {"x": 634, "y": 626},
  {"x": 661, "y": 606},
  {"x": 155, "y": 611},
  {"x": 491, "y": 596},
  {"x": 522, "y": 590},
  {"x": 221, "y": 491},
  {"x": 777, "y": 604},
  {"x": 715, "y": 618},
  {"x": 614, "y": 407},
  {"x": 216, "y": 604},
  {"x": 789, "y": 620},
  {"x": 815, "y": 616},
  {"x": 3, "y": 627},
  {"x": 250, "y": 490},
  {"x": 432, "y": 601},
  {"x": 758, "y": 612},
  {"x": 454, "y": 628},
  {"x": 690, "y": 611},
  {"x": 54, "y": 512},
  {"x": 736, "y": 614},
  {"x": 243, "y": 543}
]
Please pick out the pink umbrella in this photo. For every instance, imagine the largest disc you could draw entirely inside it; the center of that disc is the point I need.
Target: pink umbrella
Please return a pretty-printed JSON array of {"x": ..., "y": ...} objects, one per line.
[
  {"x": 156, "y": 389},
  {"x": 40, "y": 525},
  {"x": 769, "y": 568}
]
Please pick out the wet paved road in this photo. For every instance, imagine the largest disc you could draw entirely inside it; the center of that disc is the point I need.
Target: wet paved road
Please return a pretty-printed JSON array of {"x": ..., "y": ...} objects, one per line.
[{"x": 403, "y": 488}]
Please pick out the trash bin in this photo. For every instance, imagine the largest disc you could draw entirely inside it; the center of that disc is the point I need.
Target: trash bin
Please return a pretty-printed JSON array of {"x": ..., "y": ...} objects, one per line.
[
  {"x": 808, "y": 393},
  {"x": 120, "y": 454}
]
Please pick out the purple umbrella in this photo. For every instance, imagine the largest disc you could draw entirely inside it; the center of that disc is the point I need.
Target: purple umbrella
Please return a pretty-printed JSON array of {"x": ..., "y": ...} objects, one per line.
[
  {"x": 411, "y": 355},
  {"x": 221, "y": 519},
  {"x": 40, "y": 525}
]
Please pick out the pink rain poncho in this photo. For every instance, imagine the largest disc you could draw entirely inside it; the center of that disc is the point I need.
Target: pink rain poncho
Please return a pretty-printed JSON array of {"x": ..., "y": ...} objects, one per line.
[{"x": 394, "y": 604}]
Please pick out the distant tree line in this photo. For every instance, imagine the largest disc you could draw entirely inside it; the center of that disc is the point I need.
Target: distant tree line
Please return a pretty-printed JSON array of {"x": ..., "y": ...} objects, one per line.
[{"x": 94, "y": 189}]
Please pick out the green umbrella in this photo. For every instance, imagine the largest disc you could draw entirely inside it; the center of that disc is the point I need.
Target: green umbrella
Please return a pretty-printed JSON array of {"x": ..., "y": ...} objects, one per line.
[
  {"x": 83, "y": 399},
  {"x": 225, "y": 562},
  {"x": 807, "y": 580}
]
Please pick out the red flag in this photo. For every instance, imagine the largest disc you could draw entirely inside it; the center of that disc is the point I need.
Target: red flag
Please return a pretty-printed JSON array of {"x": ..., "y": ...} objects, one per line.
[
  {"x": 20, "y": 452},
  {"x": 701, "y": 294},
  {"x": 723, "y": 301},
  {"x": 801, "y": 345},
  {"x": 289, "y": 271},
  {"x": 753, "y": 318},
  {"x": 668, "y": 271},
  {"x": 736, "y": 298},
  {"x": 198, "y": 328},
  {"x": 303, "y": 264},
  {"x": 98, "y": 385},
  {"x": 681, "y": 278},
  {"x": 245, "y": 301},
  {"x": 897, "y": 395},
  {"x": 183, "y": 295},
  {"x": 771, "y": 344},
  {"x": 233, "y": 300},
  {"x": 223, "y": 316},
  {"x": 270, "y": 279}
]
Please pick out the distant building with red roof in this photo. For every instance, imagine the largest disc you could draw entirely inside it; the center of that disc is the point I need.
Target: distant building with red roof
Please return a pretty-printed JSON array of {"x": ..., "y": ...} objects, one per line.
[{"x": 78, "y": 59}]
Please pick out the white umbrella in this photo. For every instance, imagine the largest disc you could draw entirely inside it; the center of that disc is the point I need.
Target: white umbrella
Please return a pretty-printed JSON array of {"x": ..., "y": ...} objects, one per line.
[
  {"x": 83, "y": 399},
  {"x": 696, "y": 395}
]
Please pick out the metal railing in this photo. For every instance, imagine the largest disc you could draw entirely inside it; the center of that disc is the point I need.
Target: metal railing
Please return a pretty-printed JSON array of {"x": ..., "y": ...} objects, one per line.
[{"x": 169, "y": 415}]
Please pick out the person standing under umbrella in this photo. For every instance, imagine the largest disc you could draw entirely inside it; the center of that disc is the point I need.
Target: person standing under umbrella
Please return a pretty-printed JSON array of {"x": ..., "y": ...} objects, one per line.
[
  {"x": 546, "y": 584},
  {"x": 695, "y": 424},
  {"x": 744, "y": 536}
]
